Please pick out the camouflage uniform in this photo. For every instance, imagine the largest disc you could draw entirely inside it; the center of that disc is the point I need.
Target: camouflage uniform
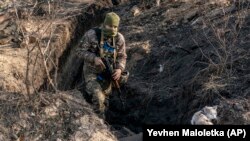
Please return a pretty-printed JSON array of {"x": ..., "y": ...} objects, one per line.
[{"x": 88, "y": 51}]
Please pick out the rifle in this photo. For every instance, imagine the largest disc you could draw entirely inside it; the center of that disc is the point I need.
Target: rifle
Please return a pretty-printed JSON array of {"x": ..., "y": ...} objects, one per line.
[{"x": 109, "y": 71}]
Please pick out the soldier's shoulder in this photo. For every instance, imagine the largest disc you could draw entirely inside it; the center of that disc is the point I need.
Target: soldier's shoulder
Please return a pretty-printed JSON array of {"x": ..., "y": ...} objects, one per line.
[
  {"x": 90, "y": 33},
  {"x": 120, "y": 37}
]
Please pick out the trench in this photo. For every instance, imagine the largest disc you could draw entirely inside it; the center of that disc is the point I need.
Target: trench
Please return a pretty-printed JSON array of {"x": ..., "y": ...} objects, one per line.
[
  {"x": 139, "y": 108},
  {"x": 135, "y": 113},
  {"x": 70, "y": 76}
]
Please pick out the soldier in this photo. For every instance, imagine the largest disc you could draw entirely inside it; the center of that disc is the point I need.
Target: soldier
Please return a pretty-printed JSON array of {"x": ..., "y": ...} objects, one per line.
[{"x": 105, "y": 41}]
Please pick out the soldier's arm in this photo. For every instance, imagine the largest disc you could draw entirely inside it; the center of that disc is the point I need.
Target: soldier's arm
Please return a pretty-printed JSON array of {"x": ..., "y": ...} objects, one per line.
[
  {"x": 121, "y": 54},
  {"x": 83, "y": 51}
]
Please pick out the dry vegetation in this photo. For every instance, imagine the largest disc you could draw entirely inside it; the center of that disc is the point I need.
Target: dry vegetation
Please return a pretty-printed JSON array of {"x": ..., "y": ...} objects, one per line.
[
  {"x": 182, "y": 56},
  {"x": 40, "y": 32},
  {"x": 60, "y": 116},
  {"x": 189, "y": 53}
]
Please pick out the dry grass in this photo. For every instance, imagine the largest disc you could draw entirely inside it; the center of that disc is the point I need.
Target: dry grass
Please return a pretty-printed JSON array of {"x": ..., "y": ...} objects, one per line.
[
  {"x": 46, "y": 29},
  {"x": 65, "y": 115},
  {"x": 221, "y": 28}
]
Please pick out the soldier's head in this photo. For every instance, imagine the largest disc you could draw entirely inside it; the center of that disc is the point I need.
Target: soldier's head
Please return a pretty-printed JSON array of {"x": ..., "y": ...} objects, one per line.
[{"x": 111, "y": 24}]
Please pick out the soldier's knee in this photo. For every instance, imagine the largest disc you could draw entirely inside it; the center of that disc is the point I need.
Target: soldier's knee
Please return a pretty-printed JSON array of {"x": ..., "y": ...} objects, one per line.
[
  {"x": 93, "y": 87},
  {"x": 98, "y": 95}
]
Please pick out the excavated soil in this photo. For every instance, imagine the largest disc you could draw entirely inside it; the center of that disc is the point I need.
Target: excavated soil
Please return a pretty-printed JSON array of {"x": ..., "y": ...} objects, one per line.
[
  {"x": 32, "y": 109},
  {"x": 61, "y": 116},
  {"x": 182, "y": 55}
]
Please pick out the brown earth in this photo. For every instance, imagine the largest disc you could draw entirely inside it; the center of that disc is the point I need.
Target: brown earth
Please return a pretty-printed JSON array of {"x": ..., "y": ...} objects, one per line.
[
  {"x": 182, "y": 56},
  {"x": 24, "y": 65},
  {"x": 47, "y": 34},
  {"x": 60, "y": 116},
  {"x": 54, "y": 29}
]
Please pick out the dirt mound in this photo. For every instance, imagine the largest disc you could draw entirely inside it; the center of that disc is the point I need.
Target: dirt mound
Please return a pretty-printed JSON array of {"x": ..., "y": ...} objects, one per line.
[
  {"x": 47, "y": 116},
  {"x": 43, "y": 32},
  {"x": 182, "y": 55},
  {"x": 44, "y": 40},
  {"x": 48, "y": 31}
]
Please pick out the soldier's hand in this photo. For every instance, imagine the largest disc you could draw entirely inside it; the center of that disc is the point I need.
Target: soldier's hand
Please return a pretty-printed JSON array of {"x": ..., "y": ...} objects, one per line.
[
  {"x": 117, "y": 74},
  {"x": 98, "y": 62}
]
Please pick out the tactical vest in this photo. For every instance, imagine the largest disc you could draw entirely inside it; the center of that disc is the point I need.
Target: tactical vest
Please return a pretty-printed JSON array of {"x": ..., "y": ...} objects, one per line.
[{"x": 105, "y": 49}]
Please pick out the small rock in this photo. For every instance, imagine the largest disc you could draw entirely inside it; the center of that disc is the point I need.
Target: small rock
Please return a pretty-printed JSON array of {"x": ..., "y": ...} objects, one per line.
[
  {"x": 161, "y": 68},
  {"x": 135, "y": 11},
  {"x": 77, "y": 114},
  {"x": 51, "y": 111}
]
